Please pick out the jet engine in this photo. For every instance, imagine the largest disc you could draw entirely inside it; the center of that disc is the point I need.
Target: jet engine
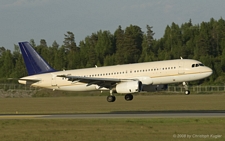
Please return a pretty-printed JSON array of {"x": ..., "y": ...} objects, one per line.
[{"x": 129, "y": 87}]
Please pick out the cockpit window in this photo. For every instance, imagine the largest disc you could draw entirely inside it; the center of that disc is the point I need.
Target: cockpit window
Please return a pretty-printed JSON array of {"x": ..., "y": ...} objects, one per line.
[{"x": 197, "y": 65}]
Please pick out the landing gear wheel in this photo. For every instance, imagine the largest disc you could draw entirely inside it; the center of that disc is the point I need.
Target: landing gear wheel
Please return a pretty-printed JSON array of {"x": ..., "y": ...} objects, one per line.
[
  {"x": 187, "y": 92},
  {"x": 111, "y": 98},
  {"x": 128, "y": 97}
]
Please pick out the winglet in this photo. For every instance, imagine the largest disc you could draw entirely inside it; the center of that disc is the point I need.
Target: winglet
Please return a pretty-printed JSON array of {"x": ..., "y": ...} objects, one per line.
[{"x": 35, "y": 64}]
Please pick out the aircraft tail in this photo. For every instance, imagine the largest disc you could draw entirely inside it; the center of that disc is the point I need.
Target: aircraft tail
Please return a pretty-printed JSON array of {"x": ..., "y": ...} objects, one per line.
[{"x": 35, "y": 64}]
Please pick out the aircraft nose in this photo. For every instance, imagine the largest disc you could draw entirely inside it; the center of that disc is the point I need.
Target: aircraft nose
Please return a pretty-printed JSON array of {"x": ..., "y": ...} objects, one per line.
[{"x": 210, "y": 71}]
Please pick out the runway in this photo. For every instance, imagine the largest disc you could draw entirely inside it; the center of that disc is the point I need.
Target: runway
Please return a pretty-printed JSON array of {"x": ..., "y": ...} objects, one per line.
[{"x": 161, "y": 114}]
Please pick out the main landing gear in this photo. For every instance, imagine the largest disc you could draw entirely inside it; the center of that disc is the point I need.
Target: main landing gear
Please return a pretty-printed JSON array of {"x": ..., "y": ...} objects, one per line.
[
  {"x": 112, "y": 98},
  {"x": 128, "y": 97}
]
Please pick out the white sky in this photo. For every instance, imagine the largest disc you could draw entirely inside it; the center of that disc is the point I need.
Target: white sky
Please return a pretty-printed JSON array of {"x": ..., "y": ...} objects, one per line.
[{"x": 22, "y": 20}]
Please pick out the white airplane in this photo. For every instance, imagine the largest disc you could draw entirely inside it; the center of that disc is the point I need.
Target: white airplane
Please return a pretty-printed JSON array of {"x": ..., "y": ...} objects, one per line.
[{"x": 124, "y": 79}]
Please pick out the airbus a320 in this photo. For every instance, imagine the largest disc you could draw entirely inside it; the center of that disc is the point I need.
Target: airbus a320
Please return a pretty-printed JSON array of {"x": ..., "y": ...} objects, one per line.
[{"x": 124, "y": 79}]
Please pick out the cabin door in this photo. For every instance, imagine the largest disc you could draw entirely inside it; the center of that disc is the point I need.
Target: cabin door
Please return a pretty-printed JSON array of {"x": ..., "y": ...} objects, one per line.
[{"x": 181, "y": 67}]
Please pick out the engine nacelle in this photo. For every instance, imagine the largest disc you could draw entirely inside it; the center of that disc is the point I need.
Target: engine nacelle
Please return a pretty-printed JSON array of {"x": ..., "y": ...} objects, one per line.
[
  {"x": 153, "y": 88},
  {"x": 145, "y": 80},
  {"x": 129, "y": 87}
]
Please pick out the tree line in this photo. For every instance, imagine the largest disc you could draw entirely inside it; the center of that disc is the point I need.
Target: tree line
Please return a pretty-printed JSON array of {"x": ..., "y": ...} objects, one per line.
[{"x": 204, "y": 42}]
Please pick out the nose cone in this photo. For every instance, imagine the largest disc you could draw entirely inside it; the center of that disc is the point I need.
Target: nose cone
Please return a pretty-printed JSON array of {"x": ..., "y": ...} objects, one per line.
[{"x": 209, "y": 71}]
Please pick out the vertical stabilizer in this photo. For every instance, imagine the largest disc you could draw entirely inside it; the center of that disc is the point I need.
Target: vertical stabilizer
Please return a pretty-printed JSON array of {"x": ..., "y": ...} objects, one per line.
[{"x": 35, "y": 64}]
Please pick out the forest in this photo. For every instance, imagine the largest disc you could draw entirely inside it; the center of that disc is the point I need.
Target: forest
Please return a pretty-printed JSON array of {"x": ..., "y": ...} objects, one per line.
[{"x": 204, "y": 42}]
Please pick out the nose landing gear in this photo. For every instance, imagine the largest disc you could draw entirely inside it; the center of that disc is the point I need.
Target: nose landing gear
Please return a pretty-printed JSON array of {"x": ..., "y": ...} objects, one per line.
[{"x": 186, "y": 92}]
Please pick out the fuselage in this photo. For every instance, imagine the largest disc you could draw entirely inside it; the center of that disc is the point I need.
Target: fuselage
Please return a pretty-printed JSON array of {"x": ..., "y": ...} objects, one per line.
[{"x": 149, "y": 73}]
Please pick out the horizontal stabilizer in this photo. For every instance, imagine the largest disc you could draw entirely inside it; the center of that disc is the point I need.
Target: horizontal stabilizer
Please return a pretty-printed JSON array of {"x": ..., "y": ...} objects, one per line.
[{"x": 28, "y": 81}]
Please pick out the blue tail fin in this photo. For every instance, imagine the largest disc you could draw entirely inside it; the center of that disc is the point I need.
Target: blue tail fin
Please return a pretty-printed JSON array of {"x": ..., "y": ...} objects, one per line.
[{"x": 35, "y": 64}]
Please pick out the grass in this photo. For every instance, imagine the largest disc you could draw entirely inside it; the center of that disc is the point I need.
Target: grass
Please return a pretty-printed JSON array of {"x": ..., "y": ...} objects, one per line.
[
  {"x": 167, "y": 129},
  {"x": 112, "y": 129},
  {"x": 98, "y": 104}
]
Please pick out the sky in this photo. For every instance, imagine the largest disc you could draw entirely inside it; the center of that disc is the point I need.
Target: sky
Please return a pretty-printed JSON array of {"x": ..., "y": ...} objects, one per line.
[{"x": 22, "y": 20}]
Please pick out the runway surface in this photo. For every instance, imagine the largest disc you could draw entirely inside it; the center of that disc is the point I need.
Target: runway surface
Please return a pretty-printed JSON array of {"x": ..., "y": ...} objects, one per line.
[{"x": 173, "y": 114}]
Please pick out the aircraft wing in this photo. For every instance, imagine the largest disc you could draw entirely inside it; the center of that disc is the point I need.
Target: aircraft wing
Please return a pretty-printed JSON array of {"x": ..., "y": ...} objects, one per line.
[{"x": 102, "y": 82}]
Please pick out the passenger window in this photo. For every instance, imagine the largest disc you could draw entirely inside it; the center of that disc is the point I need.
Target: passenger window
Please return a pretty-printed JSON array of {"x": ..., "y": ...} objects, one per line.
[{"x": 193, "y": 65}]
